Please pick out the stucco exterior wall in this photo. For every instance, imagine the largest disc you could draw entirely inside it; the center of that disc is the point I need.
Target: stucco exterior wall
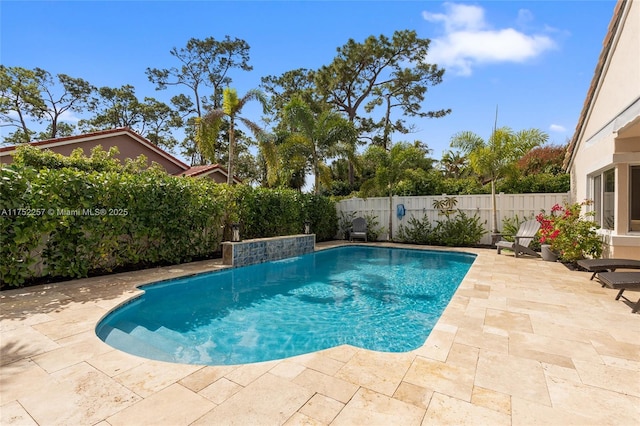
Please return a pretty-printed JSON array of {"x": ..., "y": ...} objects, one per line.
[
  {"x": 217, "y": 177},
  {"x": 128, "y": 148},
  {"x": 611, "y": 132}
]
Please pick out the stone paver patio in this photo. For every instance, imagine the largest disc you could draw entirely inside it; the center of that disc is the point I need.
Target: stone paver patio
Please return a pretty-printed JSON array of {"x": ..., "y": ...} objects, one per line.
[{"x": 522, "y": 342}]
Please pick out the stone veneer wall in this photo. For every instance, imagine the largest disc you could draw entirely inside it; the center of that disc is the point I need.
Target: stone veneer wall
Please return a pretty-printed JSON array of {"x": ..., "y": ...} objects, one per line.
[{"x": 260, "y": 250}]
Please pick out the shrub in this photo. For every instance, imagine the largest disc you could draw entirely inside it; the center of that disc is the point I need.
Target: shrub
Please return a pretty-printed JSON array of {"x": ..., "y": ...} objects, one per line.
[
  {"x": 458, "y": 231},
  {"x": 71, "y": 221},
  {"x": 321, "y": 212},
  {"x": 344, "y": 224},
  {"x": 373, "y": 227},
  {"x": 99, "y": 160},
  {"x": 269, "y": 212},
  {"x": 572, "y": 235},
  {"x": 21, "y": 233},
  {"x": 535, "y": 183},
  {"x": 77, "y": 222},
  {"x": 416, "y": 231},
  {"x": 266, "y": 212}
]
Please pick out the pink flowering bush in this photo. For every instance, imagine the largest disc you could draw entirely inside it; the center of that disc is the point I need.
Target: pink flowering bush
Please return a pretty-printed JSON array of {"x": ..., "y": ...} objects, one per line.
[{"x": 571, "y": 235}]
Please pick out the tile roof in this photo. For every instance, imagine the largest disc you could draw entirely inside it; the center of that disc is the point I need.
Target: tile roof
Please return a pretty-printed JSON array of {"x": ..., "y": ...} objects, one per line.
[
  {"x": 198, "y": 170},
  {"x": 186, "y": 169},
  {"x": 207, "y": 169},
  {"x": 101, "y": 135}
]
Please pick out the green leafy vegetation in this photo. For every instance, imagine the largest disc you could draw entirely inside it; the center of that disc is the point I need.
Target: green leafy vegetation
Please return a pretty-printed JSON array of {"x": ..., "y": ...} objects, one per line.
[
  {"x": 75, "y": 222},
  {"x": 321, "y": 122},
  {"x": 497, "y": 157},
  {"x": 84, "y": 216},
  {"x": 457, "y": 229},
  {"x": 373, "y": 226},
  {"x": 570, "y": 234}
]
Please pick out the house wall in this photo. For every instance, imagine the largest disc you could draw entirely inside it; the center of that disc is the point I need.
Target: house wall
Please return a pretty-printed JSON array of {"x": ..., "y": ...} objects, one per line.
[
  {"x": 128, "y": 148},
  {"x": 611, "y": 133},
  {"x": 217, "y": 177}
]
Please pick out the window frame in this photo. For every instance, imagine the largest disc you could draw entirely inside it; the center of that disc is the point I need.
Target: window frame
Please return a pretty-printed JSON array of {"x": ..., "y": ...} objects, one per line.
[
  {"x": 634, "y": 201},
  {"x": 603, "y": 192}
]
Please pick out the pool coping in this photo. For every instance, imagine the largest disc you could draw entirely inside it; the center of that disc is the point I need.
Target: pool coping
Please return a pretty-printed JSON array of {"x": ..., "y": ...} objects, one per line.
[{"x": 521, "y": 342}]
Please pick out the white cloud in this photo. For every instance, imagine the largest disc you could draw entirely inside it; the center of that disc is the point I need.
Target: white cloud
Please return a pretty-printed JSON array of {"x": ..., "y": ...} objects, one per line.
[
  {"x": 459, "y": 16},
  {"x": 69, "y": 117},
  {"x": 524, "y": 17},
  {"x": 468, "y": 40},
  {"x": 557, "y": 128}
]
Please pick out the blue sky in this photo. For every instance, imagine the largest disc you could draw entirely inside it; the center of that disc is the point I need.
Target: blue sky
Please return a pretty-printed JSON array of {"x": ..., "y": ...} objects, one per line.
[{"x": 534, "y": 59}]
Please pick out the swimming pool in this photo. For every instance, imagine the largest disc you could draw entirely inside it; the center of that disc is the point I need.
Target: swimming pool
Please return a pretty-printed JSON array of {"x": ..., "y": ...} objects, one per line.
[{"x": 383, "y": 299}]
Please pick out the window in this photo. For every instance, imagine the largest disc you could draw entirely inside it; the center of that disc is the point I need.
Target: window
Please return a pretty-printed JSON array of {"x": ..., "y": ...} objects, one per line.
[
  {"x": 604, "y": 186},
  {"x": 634, "y": 198}
]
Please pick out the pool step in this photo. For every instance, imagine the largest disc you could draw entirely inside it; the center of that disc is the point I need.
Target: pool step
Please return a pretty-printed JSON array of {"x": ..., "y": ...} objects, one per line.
[
  {"x": 171, "y": 342},
  {"x": 131, "y": 344}
]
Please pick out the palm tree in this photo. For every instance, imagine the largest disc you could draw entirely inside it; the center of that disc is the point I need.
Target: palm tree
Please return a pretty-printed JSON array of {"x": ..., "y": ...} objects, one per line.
[
  {"x": 323, "y": 135},
  {"x": 285, "y": 161},
  {"x": 454, "y": 164},
  {"x": 400, "y": 162},
  {"x": 497, "y": 157},
  {"x": 231, "y": 109}
]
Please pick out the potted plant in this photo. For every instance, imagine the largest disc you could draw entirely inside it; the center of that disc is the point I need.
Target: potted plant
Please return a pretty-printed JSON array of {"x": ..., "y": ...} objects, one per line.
[{"x": 568, "y": 234}]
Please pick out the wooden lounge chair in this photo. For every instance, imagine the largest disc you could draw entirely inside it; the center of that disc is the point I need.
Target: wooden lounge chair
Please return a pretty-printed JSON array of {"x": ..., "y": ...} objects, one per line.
[
  {"x": 607, "y": 265},
  {"x": 358, "y": 229},
  {"x": 523, "y": 239},
  {"x": 623, "y": 281}
]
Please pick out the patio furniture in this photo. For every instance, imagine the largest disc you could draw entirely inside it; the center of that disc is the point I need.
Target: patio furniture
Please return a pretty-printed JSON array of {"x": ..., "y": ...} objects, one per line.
[
  {"x": 523, "y": 239},
  {"x": 623, "y": 281},
  {"x": 358, "y": 229},
  {"x": 607, "y": 265}
]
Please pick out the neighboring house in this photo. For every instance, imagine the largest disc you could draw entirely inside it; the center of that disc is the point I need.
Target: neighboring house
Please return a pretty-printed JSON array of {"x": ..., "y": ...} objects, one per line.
[
  {"x": 131, "y": 145},
  {"x": 604, "y": 154}
]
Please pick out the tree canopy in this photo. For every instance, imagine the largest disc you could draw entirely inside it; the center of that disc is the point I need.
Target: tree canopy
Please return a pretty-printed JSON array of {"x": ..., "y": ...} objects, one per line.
[
  {"x": 322, "y": 136},
  {"x": 497, "y": 157},
  {"x": 231, "y": 109},
  {"x": 34, "y": 94},
  {"x": 316, "y": 123},
  {"x": 380, "y": 71}
]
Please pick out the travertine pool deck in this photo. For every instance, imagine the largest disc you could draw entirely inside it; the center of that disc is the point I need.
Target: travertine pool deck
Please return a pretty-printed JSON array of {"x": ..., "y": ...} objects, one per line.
[{"x": 522, "y": 342}]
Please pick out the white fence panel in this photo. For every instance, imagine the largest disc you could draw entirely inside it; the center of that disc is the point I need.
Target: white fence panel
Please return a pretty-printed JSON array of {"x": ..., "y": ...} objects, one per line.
[{"x": 507, "y": 206}]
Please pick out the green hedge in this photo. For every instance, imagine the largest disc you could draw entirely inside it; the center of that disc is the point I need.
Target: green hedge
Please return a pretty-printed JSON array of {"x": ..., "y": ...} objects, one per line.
[
  {"x": 266, "y": 212},
  {"x": 79, "y": 222},
  {"x": 71, "y": 222}
]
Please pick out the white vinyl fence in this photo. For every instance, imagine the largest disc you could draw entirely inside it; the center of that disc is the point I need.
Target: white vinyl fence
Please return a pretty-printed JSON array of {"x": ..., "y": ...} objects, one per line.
[{"x": 508, "y": 206}]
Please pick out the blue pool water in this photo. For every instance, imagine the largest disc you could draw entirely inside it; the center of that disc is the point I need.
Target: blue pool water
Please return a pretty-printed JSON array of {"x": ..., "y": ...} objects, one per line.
[{"x": 383, "y": 299}]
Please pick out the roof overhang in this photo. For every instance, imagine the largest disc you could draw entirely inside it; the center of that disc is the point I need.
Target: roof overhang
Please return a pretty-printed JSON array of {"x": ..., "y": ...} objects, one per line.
[
  {"x": 104, "y": 134},
  {"x": 619, "y": 14}
]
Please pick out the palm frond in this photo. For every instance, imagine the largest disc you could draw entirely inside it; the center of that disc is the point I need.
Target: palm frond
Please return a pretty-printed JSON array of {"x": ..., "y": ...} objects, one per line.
[
  {"x": 257, "y": 131},
  {"x": 269, "y": 152},
  {"x": 253, "y": 95},
  {"x": 466, "y": 141}
]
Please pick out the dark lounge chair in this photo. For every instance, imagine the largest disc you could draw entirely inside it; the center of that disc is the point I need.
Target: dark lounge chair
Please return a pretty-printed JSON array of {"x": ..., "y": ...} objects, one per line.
[
  {"x": 358, "y": 229},
  {"x": 623, "y": 281},
  {"x": 607, "y": 265},
  {"x": 523, "y": 239}
]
